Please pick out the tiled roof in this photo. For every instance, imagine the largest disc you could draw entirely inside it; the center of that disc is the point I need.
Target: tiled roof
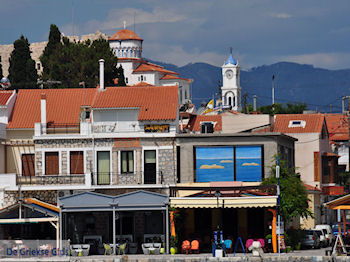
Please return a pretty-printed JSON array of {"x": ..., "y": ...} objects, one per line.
[
  {"x": 155, "y": 102},
  {"x": 63, "y": 106},
  {"x": 169, "y": 77},
  {"x": 125, "y": 34},
  {"x": 195, "y": 122},
  {"x": 4, "y": 97},
  {"x": 338, "y": 127},
  {"x": 313, "y": 123},
  {"x": 147, "y": 67},
  {"x": 142, "y": 84}
]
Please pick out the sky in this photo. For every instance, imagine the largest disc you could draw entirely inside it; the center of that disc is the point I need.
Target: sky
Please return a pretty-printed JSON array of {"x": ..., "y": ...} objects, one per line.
[{"x": 260, "y": 32}]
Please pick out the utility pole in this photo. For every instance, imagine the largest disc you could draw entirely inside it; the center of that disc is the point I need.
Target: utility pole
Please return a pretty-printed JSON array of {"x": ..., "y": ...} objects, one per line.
[
  {"x": 273, "y": 89},
  {"x": 254, "y": 103},
  {"x": 278, "y": 206}
]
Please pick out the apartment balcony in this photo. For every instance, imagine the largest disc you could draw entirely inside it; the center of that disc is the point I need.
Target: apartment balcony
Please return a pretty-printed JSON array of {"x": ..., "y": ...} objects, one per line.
[
  {"x": 51, "y": 180},
  {"x": 124, "y": 179}
]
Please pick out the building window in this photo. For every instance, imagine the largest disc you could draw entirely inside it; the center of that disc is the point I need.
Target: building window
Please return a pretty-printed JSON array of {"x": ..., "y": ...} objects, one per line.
[
  {"x": 51, "y": 163},
  {"x": 297, "y": 123},
  {"x": 207, "y": 127},
  {"x": 141, "y": 78},
  {"x": 144, "y": 78},
  {"x": 126, "y": 80},
  {"x": 77, "y": 162},
  {"x": 38, "y": 66},
  {"x": 127, "y": 161},
  {"x": 103, "y": 167},
  {"x": 28, "y": 165}
]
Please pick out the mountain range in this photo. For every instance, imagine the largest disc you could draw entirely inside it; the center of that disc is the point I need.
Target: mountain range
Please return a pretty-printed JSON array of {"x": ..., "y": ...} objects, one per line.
[{"x": 321, "y": 89}]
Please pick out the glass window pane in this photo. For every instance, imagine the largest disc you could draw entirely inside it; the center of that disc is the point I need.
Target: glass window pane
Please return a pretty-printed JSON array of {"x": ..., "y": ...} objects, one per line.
[
  {"x": 150, "y": 157},
  {"x": 131, "y": 161}
]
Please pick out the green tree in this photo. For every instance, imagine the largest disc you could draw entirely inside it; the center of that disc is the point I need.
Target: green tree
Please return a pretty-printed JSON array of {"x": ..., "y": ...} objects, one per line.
[
  {"x": 283, "y": 108},
  {"x": 1, "y": 73},
  {"x": 294, "y": 201},
  {"x": 53, "y": 46},
  {"x": 120, "y": 76},
  {"x": 22, "y": 72}
]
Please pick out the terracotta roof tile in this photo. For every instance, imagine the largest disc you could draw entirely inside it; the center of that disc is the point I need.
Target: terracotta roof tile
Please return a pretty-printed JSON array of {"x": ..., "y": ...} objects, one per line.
[
  {"x": 313, "y": 123},
  {"x": 169, "y": 77},
  {"x": 4, "y": 97},
  {"x": 148, "y": 67},
  {"x": 155, "y": 102},
  {"x": 338, "y": 127},
  {"x": 195, "y": 122},
  {"x": 63, "y": 106},
  {"x": 125, "y": 34},
  {"x": 142, "y": 84}
]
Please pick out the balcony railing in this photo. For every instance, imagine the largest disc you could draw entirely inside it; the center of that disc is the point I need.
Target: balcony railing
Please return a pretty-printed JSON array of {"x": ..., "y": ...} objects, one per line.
[
  {"x": 51, "y": 180},
  {"x": 72, "y": 128},
  {"x": 229, "y": 191},
  {"x": 137, "y": 177}
]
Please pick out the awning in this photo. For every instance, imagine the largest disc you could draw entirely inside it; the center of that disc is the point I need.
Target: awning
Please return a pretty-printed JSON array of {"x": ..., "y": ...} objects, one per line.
[
  {"x": 134, "y": 201},
  {"x": 223, "y": 202}
]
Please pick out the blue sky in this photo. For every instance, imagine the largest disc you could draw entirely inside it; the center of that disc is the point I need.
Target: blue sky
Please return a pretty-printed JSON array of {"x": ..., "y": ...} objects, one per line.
[{"x": 260, "y": 31}]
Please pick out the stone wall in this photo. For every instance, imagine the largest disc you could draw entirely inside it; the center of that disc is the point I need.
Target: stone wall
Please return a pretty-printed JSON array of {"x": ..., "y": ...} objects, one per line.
[
  {"x": 167, "y": 165},
  {"x": 11, "y": 197}
]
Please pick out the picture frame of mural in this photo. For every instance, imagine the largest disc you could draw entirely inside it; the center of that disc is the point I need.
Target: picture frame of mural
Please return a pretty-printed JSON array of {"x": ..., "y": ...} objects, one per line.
[{"x": 228, "y": 163}]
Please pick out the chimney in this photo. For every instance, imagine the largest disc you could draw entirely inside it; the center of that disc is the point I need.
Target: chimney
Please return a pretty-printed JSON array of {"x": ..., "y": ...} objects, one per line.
[
  {"x": 102, "y": 74},
  {"x": 43, "y": 113}
]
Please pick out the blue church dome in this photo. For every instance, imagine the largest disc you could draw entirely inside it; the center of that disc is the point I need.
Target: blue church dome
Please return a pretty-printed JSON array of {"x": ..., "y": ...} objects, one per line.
[{"x": 231, "y": 60}]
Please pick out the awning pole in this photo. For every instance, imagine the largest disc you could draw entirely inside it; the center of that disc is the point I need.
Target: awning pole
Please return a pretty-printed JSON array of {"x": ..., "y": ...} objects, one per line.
[
  {"x": 61, "y": 229},
  {"x": 167, "y": 229},
  {"x": 114, "y": 229}
]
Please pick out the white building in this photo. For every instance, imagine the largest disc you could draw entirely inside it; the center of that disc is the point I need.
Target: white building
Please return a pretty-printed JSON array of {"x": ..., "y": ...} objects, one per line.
[
  {"x": 231, "y": 89},
  {"x": 127, "y": 46}
]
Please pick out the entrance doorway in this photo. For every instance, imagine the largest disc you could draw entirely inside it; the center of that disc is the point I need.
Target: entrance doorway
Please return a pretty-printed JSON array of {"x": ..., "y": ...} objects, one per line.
[{"x": 150, "y": 167}]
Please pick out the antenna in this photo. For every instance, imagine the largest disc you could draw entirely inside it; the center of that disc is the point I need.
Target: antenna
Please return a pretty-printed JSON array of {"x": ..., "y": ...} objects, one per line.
[
  {"x": 231, "y": 50},
  {"x": 73, "y": 17},
  {"x": 124, "y": 24},
  {"x": 134, "y": 22}
]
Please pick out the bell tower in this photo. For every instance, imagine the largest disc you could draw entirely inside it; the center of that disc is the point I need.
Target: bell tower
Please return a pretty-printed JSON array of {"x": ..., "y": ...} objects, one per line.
[{"x": 231, "y": 89}]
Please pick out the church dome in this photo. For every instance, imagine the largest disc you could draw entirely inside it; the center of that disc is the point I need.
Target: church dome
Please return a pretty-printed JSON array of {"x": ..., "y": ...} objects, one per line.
[
  {"x": 231, "y": 60},
  {"x": 125, "y": 34}
]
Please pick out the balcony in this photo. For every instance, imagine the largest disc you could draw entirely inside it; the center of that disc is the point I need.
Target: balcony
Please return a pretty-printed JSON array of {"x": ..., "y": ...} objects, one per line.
[
  {"x": 134, "y": 178},
  {"x": 50, "y": 180},
  {"x": 52, "y": 128}
]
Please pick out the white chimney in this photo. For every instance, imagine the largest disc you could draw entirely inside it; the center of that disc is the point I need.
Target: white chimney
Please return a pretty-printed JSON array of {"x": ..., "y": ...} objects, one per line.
[
  {"x": 102, "y": 74},
  {"x": 43, "y": 113}
]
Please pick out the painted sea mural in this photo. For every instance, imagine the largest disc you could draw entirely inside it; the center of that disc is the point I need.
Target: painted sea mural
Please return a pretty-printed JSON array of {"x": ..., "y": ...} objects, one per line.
[
  {"x": 214, "y": 164},
  {"x": 248, "y": 163},
  {"x": 219, "y": 164}
]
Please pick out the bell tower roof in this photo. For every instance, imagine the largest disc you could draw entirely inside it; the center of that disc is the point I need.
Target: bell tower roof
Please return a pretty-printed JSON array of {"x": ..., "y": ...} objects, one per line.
[{"x": 231, "y": 60}]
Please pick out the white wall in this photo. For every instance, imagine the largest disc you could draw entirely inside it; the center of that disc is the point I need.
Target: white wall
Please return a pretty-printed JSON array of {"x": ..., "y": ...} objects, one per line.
[{"x": 124, "y": 119}]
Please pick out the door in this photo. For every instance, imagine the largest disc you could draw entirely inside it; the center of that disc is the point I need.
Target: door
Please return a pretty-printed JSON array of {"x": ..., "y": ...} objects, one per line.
[
  {"x": 150, "y": 167},
  {"x": 103, "y": 168},
  {"x": 28, "y": 165},
  {"x": 51, "y": 163},
  {"x": 77, "y": 162}
]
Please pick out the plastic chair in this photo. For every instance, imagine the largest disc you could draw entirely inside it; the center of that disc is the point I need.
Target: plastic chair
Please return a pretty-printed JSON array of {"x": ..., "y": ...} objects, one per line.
[
  {"x": 228, "y": 245},
  {"x": 121, "y": 249},
  {"x": 186, "y": 246},
  {"x": 108, "y": 249},
  {"x": 195, "y": 246}
]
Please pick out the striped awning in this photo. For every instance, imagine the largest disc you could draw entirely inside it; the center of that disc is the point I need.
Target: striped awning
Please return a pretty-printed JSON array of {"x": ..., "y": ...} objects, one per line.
[{"x": 223, "y": 202}]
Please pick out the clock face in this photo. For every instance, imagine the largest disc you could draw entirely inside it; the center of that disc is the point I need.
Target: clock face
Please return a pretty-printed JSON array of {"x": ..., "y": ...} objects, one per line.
[{"x": 229, "y": 74}]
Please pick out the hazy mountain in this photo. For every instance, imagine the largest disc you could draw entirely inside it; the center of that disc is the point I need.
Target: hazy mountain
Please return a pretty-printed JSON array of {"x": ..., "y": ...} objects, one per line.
[{"x": 317, "y": 87}]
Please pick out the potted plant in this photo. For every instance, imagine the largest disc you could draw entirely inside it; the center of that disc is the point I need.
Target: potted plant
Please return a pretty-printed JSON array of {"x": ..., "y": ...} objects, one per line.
[{"x": 173, "y": 245}]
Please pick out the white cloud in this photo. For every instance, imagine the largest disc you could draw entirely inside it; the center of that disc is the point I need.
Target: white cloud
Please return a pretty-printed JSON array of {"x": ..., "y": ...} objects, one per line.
[
  {"x": 324, "y": 60},
  {"x": 281, "y": 15}
]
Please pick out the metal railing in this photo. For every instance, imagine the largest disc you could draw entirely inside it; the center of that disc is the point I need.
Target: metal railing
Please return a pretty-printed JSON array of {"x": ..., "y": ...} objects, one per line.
[
  {"x": 64, "y": 128},
  {"x": 137, "y": 177},
  {"x": 230, "y": 191},
  {"x": 51, "y": 180}
]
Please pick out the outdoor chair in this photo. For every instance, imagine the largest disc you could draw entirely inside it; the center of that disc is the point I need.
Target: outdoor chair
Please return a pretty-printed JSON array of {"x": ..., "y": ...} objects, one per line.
[
  {"x": 186, "y": 246},
  {"x": 75, "y": 250},
  {"x": 195, "y": 246},
  {"x": 86, "y": 249},
  {"x": 228, "y": 245},
  {"x": 157, "y": 247},
  {"x": 121, "y": 249},
  {"x": 108, "y": 249},
  {"x": 133, "y": 248},
  {"x": 145, "y": 248}
]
